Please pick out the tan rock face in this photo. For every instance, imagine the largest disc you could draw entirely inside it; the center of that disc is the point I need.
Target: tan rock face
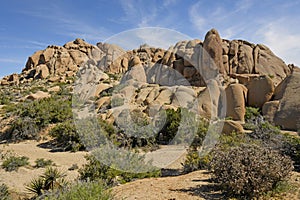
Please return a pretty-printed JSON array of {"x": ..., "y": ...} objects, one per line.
[
  {"x": 236, "y": 95},
  {"x": 288, "y": 113},
  {"x": 260, "y": 90},
  {"x": 213, "y": 45},
  {"x": 269, "y": 64},
  {"x": 230, "y": 126},
  {"x": 269, "y": 110},
  {"x": 38, "y": 95}
]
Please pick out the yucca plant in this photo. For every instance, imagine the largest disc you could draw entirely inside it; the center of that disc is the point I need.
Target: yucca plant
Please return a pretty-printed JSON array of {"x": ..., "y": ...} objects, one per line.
[
  {"x": 51, "y": 178},
  {"x": 36, "y": 186},
  {"x": 4, "y": 193}
]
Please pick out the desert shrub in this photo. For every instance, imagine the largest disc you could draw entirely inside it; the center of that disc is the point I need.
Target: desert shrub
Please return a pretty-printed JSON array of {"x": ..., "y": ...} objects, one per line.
[
  {"x": 32, "y": 116},
  {"x": 170, "y": 127},
  {"x": 267, "y": 134},
  {"x": 12, "y": 163},
  {"x": 66, "y": 136},
  {"x": 41, "y": 162},
  {"x": 94, "y": 170},
  {"x": 52, "y": 179},
  {"x": 195, "y": 162},
  {"x": 5, "y": 98},
  {"x": 82, "y": 190},
  {"x": 23, "y": 129},
  {"x": 251, "y": 116},
  {"x": 251, "y": 113},
  {"x": 291, "y": 148},
  {"x": 270, "y": 136},
  {"x": 4, "y": 193},
  {"x": 249, "y": 170}
]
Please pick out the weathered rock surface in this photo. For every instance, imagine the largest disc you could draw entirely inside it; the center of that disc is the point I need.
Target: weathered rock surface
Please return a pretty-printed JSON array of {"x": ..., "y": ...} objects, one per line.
[
  {"x": 260, "y": 90},
  {"x": 38, "y": 95},
  {"x": 213, "y": 45},
  {"x": 288, "y": 114},
  {"x": 236, "y": 95},
  {"x": 269, "y": 110},
  {"x": 230, "y": 126}
]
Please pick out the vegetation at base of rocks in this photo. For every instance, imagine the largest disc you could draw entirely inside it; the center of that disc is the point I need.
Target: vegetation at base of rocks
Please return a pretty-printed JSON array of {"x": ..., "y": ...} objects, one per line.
[
  {"x": 4, "y": 193},
  {"x": 12, "y": 163},
  {"x": 6, "y": 98},
  {"x": 52, "y": 179},
  {"x": 32, "y": 116},
  {"x": 292, "y": 149},
  {"x": 251, "y": 116},
  {"x": 279, "y": 190},
  {"x": 41, "y": 163},
  {"x": 270, "y": 136},
  {"x": 66, "y": 136},
  {"x": 82, "y": 190},
  {"x": 171, "y": 125},
  {"x": 195, "y": 162},
  {"x": 94, "y": 170},
  {"x": 249, "y": 170}
]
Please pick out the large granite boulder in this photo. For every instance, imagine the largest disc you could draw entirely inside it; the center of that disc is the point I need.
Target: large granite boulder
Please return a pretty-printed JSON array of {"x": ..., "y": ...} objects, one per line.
[
  {"x": 236, "y": 97},
  {"x": 288, "y": 113},
  {"x": 260, "y": 90}
]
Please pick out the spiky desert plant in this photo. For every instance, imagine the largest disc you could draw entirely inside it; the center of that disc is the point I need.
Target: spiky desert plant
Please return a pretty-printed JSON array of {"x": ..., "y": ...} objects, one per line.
[
  {"x": 36, "y": 186},
  {"x": 51, "y": 178}
]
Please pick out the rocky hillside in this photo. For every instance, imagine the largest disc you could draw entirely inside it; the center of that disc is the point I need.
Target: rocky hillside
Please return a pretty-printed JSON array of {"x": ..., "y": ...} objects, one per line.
[{"x": 216, "y": 78}]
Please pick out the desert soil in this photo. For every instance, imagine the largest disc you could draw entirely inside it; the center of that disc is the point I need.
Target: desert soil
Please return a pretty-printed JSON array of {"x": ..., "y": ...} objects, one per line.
[
  {"x": 17, "y": 180},
  {"x": 195, "y": 185}
]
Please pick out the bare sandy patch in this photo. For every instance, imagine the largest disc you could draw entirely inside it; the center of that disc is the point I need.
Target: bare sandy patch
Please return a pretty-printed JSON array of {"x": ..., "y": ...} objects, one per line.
[{"x": 16, "y": 180}]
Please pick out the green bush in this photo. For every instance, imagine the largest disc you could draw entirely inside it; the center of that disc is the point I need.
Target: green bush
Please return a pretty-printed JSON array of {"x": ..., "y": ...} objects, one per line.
[
  {"x": 83, "y": 191},
  {"x": 41, "y": 162},
  {"x": 291, "y": 148},
  {"x": 66, "y": 136},
  {"x": 195, "y": 162},
  {"x": 52, "y": 179},
  {"x": 251, "y": 113},
  {"x": 94, "y": 170},
  {"x": 12, "y": 163},
  {"x": 4, "y": 193},
  {"x": 251, "y": 116},
  {"x": 170, "y": 127},
  {"x": 249, "y": 170},
  {"x": 32, "y": 116},
  {"x": 5, "y": 98}
]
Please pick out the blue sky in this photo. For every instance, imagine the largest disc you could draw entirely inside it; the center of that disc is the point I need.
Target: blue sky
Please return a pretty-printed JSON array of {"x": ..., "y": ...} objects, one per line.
[{"x": 30, "y": 25}]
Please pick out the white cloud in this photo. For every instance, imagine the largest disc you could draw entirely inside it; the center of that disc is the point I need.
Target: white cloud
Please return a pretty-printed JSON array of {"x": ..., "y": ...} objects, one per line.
[
  {"x": 243, "y": 5},
  {"x": 11, "y": 60},
  {"x": 197, "y": 20},
  {"x": 284, "y": 42},
  {"x": 153, "y": 36}
]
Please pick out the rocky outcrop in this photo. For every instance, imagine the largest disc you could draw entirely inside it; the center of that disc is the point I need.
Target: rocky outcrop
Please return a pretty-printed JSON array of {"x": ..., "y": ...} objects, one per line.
[
  {"x": 260, "y": 90},
  {"x": 56, "y": 62},
  {"x": 38, "y": 95},
  {"x": 191, "y": 74},
  {"x": 230, "y": 126},
  {"x": 269, "y": 110},
  {"x": 236, "y": 95},
  {"x": 288, "y": 113},
  {"x": 213, "y": 46}
]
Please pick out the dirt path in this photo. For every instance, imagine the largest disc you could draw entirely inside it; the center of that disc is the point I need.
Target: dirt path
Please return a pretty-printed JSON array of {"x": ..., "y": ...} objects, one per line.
[
  {"x": 195, "y": 185},
  {"x": 17, "y": 179}
]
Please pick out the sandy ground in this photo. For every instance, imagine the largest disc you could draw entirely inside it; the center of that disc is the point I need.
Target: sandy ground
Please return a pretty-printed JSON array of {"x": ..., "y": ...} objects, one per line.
[
  {"x": 192, "y": 186},
  {"x": 63, "y": 160},
  {"x": 195, "y": 185}
]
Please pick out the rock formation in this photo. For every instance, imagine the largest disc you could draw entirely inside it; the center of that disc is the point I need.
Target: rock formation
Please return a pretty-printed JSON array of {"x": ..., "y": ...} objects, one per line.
[{"x": 194, "y": 74}]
